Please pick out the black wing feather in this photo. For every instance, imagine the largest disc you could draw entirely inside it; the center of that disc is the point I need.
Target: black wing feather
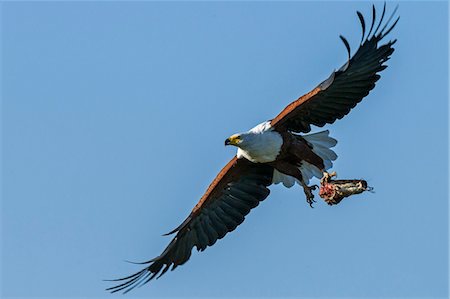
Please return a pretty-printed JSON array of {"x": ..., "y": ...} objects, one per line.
[
  {"x": 346, "y": 87},
  {"x": 221, "y": 213}
]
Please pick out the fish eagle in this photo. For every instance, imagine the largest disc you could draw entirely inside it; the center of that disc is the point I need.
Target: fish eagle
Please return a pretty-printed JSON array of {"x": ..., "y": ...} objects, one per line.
[{"x": 275, "y": 151}]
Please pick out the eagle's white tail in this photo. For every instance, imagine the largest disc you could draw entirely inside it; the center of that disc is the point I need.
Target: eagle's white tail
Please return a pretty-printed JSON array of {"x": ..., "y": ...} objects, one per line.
[{"x": 321, "y": 144}]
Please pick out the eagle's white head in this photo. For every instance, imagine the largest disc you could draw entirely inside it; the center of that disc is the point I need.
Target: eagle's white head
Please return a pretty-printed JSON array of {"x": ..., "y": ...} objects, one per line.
[{"x": 260, "y": 145}]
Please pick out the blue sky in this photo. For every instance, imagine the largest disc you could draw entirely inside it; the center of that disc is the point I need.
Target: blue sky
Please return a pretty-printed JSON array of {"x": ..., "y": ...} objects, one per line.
[{"x": 113, "y": 121}]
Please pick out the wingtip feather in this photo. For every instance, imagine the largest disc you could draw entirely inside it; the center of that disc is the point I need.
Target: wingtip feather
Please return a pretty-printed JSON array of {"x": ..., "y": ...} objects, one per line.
[
  {"x": 363, "y": 24},
  {"x": 347, "y": 45}
]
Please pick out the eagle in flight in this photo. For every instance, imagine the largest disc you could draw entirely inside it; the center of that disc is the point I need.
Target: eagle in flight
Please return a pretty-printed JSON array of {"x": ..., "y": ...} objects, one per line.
[{"x": 275, "y": 152}]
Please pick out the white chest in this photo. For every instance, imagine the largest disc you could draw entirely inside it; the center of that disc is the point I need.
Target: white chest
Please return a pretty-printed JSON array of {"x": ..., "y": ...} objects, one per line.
[{"x": 260, "y": 147}]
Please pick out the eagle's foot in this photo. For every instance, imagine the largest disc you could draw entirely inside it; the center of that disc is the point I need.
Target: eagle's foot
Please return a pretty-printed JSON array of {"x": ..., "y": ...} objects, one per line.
[
  {"x": 309, "y": 195},
  {"x": 327, "y": 177}
]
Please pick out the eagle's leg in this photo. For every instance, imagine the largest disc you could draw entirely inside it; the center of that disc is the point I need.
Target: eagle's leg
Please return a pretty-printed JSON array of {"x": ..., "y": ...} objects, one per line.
[
  {"x": 292, "y": 170},
  {"x": 309, "y": 195}
]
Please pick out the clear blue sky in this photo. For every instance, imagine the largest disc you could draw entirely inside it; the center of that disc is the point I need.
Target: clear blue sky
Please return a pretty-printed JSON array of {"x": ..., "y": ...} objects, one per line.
[{"x": 113, "y": 121}]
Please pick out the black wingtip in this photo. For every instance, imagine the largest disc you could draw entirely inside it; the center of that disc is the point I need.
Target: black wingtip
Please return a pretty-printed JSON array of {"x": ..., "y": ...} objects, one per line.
[
  {"x": 145, "y": 279},
  {"x": 383, "y": 33},
  {"x": 130, "y": 282},
  {"x": 363, "y": 25},
  {"x": 375, "y": 34},
  {"x": 378, "y": 33},
  {"x": 163, "y": 271},
  {"x": 392, "y": 27},
  {"x": 374, "y": 17},
  {"x": 169, "y": 233},
  {"x": 347, "y": 45},
  {"x": 173, "y": 231},
  {"x": 179, "y": 227},
  {"x": 121, "y": 279},
  {"x": 139, "y": 263}
]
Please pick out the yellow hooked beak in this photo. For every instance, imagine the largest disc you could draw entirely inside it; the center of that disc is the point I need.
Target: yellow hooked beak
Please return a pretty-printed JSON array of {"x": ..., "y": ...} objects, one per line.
[{"x": 233, "y": 140}]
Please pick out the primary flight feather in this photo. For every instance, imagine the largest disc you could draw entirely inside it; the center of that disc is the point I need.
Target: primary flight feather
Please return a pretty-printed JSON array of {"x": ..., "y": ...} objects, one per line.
[{"x": 274, "y": 152}]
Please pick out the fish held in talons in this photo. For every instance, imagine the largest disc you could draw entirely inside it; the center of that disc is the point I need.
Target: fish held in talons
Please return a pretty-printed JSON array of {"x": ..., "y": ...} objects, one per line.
[{"x": 333, "y": 191}]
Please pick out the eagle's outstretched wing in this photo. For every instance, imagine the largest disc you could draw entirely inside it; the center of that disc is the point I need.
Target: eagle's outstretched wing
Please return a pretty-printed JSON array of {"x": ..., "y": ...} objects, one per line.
[
  {"x": 333, "y": 98},
  {"x": 239, "y": 187}
]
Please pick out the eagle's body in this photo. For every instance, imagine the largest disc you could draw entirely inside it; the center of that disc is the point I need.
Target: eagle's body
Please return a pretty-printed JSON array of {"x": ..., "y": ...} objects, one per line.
[
  {"x": 295, "y": 158},
  {"x": 275, "y": 152}
]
